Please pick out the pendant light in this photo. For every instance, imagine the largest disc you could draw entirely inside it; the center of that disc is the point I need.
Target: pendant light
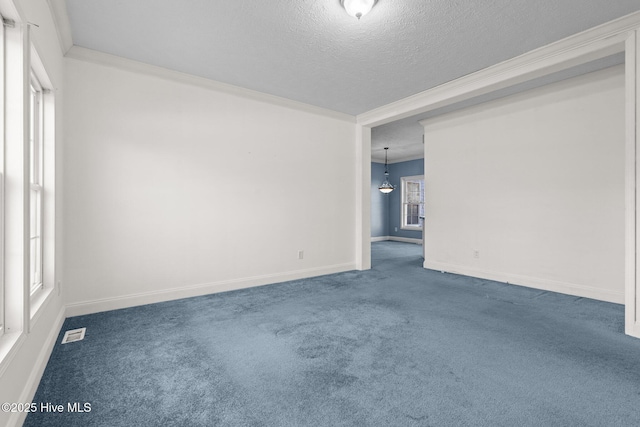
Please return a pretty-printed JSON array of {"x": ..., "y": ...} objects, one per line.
[
  {"x": 358, "y": 8},
  {"x": 386, "y": 186}
]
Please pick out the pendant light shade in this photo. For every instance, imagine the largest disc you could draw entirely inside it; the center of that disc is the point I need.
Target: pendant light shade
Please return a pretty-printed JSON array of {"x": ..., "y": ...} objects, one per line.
[
  {"x": 386, "y": 186},
  {"x": 358, "y": 8}
]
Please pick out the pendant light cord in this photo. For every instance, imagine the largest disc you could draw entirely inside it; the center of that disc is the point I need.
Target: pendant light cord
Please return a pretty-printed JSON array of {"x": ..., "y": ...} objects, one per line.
[{"x": 386, "y": 167}]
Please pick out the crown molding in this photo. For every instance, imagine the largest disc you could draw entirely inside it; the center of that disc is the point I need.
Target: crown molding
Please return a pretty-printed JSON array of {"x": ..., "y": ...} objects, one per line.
[
  {"x": 11, "y": 10},
  {"x": 407, "y": 158},
  {"x": 595, "y": 43},
  {"x": 60, "y": 16},
  {"x": 94, "y": 56}
]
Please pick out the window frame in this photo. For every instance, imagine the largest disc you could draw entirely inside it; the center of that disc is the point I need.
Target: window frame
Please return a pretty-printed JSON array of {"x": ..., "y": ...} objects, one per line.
[
  {"x": 14, "y": 101},
  {"x": 2, "y": 174},
  {"x": 36, "y": 184},
  {"x": 19, "y": 61},
  {"x": 404, "y": 204},
  {"x": 41, "y": 292}
]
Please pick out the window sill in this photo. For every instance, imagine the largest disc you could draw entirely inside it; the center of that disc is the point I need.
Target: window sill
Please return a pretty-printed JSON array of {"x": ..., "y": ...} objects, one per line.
[
  {"x": 38, "y": 301},
  {"x": 411, "y": 228},
  {"x": 10, "y": 343}
]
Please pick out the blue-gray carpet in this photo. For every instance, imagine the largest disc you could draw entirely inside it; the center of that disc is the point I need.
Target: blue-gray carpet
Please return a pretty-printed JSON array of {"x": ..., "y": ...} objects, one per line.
[{"x": 394, "y": 346}]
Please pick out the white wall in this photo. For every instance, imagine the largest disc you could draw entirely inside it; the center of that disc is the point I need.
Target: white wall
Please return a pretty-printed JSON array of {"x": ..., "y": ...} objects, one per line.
[
  {"x": 21, "y": 370},
  {"x": 535, "y": 184},
  {"x": 176, "y": 190}
]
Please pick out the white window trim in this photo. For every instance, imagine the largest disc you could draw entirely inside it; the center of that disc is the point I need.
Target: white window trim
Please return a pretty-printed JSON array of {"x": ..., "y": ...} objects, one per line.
[
  {"x": 22, "y": 308},
  {"x": 14, "y": 232},
  {"x": 403, "y": 181},
  {"x": 41, "y": 294},
  {"x": 2, "y": 173},
  {"x": 36, "y": 181},
  {"x": 19, "y": 59}
]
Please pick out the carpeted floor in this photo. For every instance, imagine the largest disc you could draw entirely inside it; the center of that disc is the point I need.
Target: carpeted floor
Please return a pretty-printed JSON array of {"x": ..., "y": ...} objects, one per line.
[{"x": 394, "y": 346}]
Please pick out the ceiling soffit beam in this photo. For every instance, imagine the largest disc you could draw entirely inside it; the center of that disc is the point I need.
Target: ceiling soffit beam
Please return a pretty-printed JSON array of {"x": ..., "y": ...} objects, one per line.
[
  {"x": 60, "y": 15},
  {"x": 632, "y": 187},
  {"x": 595, "y": 43}
]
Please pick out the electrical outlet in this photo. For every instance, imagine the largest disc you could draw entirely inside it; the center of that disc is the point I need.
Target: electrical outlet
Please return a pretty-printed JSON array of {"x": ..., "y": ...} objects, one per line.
[
  {"x": 476, "y": 254},
  {"x": 396, "y": 229},
  {"x": 300, "y": 254}
]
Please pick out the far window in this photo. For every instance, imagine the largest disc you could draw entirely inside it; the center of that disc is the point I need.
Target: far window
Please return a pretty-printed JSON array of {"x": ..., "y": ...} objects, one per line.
[
  {"x": 35, "y": 139},
  {"x": 412, "y": 189}
]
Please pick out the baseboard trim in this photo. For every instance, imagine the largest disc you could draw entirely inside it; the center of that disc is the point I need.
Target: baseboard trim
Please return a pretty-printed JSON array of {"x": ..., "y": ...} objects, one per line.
[
  {"x": 530, "y": 282},
  {"x": 396, "y": 239},
  {"x": 405, "y": 240},
  {"x": 31, "y": 386},
  {"x": 132, "y": 300}
]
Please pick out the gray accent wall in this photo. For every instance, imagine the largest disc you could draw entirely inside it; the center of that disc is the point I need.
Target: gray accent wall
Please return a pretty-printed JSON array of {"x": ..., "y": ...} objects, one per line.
[
  {"x": 385, "y": 208},
  {"x": 379, "y": 203}
]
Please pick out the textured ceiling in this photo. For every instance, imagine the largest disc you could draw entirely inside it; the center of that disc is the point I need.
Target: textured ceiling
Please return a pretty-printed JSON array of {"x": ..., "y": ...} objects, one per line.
[{"x": 313, "y": 52}]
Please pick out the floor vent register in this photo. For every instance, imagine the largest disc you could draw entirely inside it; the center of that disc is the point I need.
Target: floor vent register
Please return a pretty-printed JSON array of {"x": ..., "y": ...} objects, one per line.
[{"x": 73, "y": 335}]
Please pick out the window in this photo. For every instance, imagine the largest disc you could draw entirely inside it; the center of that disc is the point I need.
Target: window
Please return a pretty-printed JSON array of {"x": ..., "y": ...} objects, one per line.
[
  {"x": 27, "y": 183},
  {"x": 41, "y": 186},
  {"x": 2, "y": 174},
  {"x": 35, "y": 165},
  {"x": 412, "y": 196}
]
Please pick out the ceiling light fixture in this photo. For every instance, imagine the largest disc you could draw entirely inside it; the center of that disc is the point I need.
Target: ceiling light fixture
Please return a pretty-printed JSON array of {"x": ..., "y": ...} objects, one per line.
[
  {"x": 386, "y": 186},
  {"x": 358, "y": 8}
]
